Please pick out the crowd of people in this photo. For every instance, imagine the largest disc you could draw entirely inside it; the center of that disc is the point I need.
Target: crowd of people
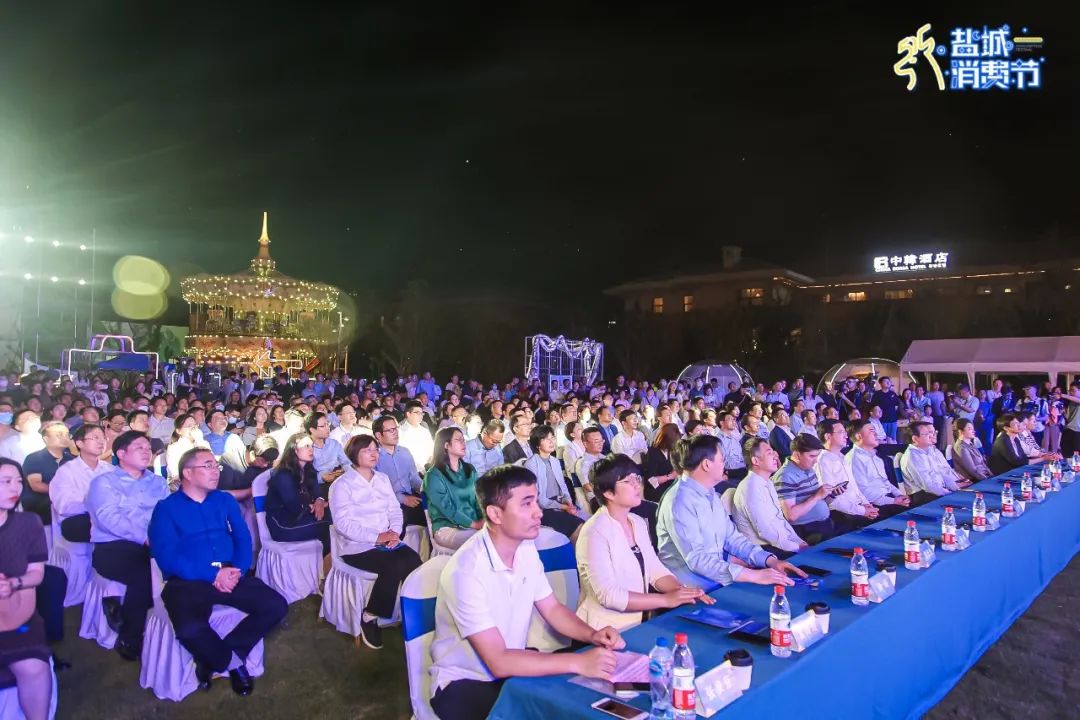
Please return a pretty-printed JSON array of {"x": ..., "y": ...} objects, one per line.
[{"x": 668, "y": 490}]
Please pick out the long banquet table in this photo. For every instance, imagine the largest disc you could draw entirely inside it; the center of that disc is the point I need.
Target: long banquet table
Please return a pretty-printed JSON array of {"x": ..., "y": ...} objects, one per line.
[{"x": 889, "y": 660}]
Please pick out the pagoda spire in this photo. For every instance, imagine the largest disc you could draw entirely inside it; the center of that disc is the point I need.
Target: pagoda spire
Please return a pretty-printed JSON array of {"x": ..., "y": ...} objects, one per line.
[
  {"x": 262, "y": 265},
  {"x": 264, "y": 239}
]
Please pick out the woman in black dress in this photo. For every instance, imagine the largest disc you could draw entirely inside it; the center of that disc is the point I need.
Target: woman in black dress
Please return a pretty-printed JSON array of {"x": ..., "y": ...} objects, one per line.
[
  {"x": 656, "y": 467},
  {"x": 24, "y": 654}
]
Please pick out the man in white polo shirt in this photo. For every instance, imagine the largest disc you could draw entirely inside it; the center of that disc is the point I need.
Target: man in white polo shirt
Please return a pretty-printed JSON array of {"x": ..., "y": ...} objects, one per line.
[{"x": 486, "y": 596}]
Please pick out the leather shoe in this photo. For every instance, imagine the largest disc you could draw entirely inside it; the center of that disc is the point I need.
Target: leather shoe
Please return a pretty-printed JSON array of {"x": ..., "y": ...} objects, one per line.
[
  {"x": 111, "y": 606},
  {"x": 242, "y": 682},
  {"x": 128, "y": 651},
  {"x": 203, "y": 675}
]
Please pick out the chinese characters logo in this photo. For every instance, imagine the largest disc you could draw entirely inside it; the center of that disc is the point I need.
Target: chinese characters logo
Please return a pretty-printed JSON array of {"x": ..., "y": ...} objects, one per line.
[
  {"x": 920, "y": 261},
  {"x": 979, "y": 59}
]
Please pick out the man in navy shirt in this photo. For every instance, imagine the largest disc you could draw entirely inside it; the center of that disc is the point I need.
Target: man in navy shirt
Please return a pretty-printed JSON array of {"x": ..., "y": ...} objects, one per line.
[
  {"x": 889, "y": 402},
  {"x": 41, "y": 465},
  {"x": 202, "y": 545}
]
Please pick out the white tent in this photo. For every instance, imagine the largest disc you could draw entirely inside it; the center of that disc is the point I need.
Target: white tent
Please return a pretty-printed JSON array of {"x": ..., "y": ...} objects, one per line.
[
  {"x": 723, "y": 372},
  {"x": 1048, "y": 356}
]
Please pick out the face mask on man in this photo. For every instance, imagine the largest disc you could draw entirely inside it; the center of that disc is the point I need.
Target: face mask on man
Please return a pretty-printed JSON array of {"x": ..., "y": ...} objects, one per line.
[{"x": 6, "y": 417}]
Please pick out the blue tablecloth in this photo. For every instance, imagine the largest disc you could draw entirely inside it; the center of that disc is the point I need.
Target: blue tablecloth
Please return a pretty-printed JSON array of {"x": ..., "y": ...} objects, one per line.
[{"x": 890, "y": 660}]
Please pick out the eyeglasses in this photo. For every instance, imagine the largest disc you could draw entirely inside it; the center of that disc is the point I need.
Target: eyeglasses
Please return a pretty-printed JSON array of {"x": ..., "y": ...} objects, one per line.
[
  {"x": 633, "y": 479},
  {"x": 208, "y": 466}
]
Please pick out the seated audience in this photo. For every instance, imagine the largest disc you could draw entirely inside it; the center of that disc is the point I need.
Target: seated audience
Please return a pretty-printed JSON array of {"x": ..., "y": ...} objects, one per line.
[
  {"x": 756, "y": 506},
  {"x": 616, "y": 560},
  {"x": 967, "y": 456},
  {"x": 201, "y": 542},
  {"x": 781, "y": 435},
  {"x": 481, "y": 629},
  {"x": 927, "y": 474},
  {"x": 868, "y": 470},
  {"x": 731, "y": 447},
  {"x": 1028, "y": 441},
  {"x": 802, "y": 496},
  {"x": 593, "y": 441},
  {"x": 518, "y": 448},
  {"x": 329, "y": 457},
  {"x": 24, "y": 650},
  {"x": 186, "y": 436},
  {"x": 397, "y": 463},
  {"x": 41, "y": 466},
  {"x": 70, "y": 485},
  {"x": 485, "y": 451},
  {"x": 450, "y": 486},
  {"x": 630, "y": 441},
  {"x": 369, "y": 524},
  {"x": 555, "y": 498},
  {"x": 696, "y": 536},
  {"x": 849, "y": 508},
  {"x": 1007, "y": 453},
  {"x": 25, "y": 440},
  {"x": 227, "y": 446},
  {"x": 657, "y": 468},
  {"x": 295, "y": 512},
  {"x": 120, "y": 503}
]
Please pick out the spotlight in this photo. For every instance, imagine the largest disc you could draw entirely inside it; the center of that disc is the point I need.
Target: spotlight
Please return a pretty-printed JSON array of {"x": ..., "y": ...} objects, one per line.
[
  {"x": 28, "y": 239},
  {"x": 28, "y": 276},
  {"x": 54, "y": 279},
  {"x": 83, "y": 248},
  {"x": 56, "y": 243},
  {"x": 81, "y": 281}
]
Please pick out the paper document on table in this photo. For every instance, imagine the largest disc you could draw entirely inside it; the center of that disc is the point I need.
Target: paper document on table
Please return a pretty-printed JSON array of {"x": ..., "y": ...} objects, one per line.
[{"x": 631, "y": 667}]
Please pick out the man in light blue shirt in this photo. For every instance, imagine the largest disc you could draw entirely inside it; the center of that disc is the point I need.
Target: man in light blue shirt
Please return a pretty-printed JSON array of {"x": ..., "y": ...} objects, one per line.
[
  {"x": 120, "y": 504},
  {"x": 695, "y": 534},
  {"x": 330, "y": 459},
  {"x": 397, "y": 463},
  {"x": 485, "y": 451}
]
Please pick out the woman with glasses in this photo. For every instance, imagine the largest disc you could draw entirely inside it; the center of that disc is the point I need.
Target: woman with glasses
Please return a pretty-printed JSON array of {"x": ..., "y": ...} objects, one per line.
[
  {"x": 294, "y": 510},
  {"x": 553, "y": 495},
  {"x": 616, "y": 560},
  {"x": 186, "y": 436},
  {"x": 450, "y": 487}
]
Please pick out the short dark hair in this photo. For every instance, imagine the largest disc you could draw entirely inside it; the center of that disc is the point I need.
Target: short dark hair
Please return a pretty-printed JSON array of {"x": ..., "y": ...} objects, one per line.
[
  {"x": 538, "y": 434},
  {"x": 356, "y": 444},
  {"x": 805, "y": 442},
  {"x": 589, "y": 431},
  {"x": 750, "y": 448},
  {"x": 311, "y": 420},
  {"x": 916, "y": 427},
  {"x": 85, "y": 429},
  {"x": 626, "y": 415},
  {"x": 697, "y": 449},
  {"x": 607, "y": 471},
  {"x": 136, "y": 413},
  {"x": 856, "y": 427},
  {"x": 494, "y": 486},
  {"x": 1003, "y": 421},
  {"x": 380, "y": 423},
  {"x": 826, "y": 427},
  {"x": 188, "y": 457},
  {"x": 124, "y": 439},
  {"x": 691, "y": 426}
]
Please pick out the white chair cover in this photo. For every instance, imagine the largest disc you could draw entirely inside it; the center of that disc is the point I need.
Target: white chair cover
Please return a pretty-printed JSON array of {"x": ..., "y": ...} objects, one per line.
[
  {"x": 436, "y": 548},
  {"x": 74, "y": 560},
  {"x": 10, "y": 709},
  {"x": 93, "y": 626},
  {"x": 167, "y": 668},
  {"x": 291, "y": 568},
  {"x": 416, "y": 537},
  {"x": 418, "y": 630},
  {"x": 345, "y": 592},
  {"x": 560, "y": 566}
]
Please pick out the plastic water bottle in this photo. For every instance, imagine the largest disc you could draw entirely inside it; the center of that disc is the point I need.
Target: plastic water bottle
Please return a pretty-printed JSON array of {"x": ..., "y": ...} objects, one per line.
[
  {"x": 780, "y": 624},
  {"x": 660, "y": 664},
  {"x": 948, "y": 530},
  {"x": 1076, "y": 462},
  {"x": 860, "y": 579},
  {"x": 912, "y": 560},
  {"x": 978, "y": 514},
  {"x": 1056, "y": 472},
  {"x": 1007, "y": 508},
  {"x": 1025, "y": 487},
  {"x": 683, "y": 695}
]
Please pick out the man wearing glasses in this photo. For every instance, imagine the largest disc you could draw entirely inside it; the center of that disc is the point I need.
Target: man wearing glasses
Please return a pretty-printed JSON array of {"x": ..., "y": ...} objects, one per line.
[
  {"x": 414, "y": 434},
  {"x": 397, "y": 463},
  {"x": 330, "y": 459},
  {"x": 202, "y": 545}
]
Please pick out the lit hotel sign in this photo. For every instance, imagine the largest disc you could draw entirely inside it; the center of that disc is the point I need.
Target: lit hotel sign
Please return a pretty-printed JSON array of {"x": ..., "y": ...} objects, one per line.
[{"x": 906, "y": 263}]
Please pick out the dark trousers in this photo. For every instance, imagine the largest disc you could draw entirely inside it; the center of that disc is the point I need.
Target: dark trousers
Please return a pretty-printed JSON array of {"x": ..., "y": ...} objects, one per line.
[
  {"x": 49, "y": 596},
  {"x": 413, "y": 516},
  {"x": 647, "y": 510},
  {"x": 128, "y": 563},
  {"x": 845, "y": 523},
  {"x": 562, "y": 521},
  {"x": 815, "y": 532},
  {"x": 308, "y": 529},
  {"x": 76, "y": 528},
  {"x": 391, "y": 567},
  {"x": 190, "y": 602},
  {"x": 782, "y": 554},
  {"x": 887, "y": 511},
  {"x": 466, "y": 699},
  {"x": 921, "y": 497}
]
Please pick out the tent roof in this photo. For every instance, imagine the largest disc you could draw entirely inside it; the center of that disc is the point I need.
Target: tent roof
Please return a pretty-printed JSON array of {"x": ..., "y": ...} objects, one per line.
[{"x": 1051, "y": 355}]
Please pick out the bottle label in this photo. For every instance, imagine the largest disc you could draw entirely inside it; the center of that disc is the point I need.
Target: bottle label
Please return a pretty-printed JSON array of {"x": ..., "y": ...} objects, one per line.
[
  {"x": 683, "y": 695},
  {"x": 780, "y": 637},
  {"x": 948, "y": 538},
  {"x": 1006, "y": 506},
  {"x": 980, "y": 521},
  {"x": 1026, "y": 494},
  {"x": 860, "y": 589},
  {"x": 911, "y": 556}
]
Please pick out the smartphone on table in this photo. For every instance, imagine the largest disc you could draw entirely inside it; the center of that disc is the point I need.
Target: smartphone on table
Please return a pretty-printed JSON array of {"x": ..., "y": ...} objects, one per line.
[{"x": 620, "y": 710}]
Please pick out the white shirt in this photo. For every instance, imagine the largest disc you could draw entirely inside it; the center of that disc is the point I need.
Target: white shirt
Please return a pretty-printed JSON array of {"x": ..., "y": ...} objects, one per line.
[
  {"x": 584, "y": 467},
  {"x": 927, "y": 470},
  {"x": 342, "y": 436},
  {"x": 572, "y": 453},
  {"x": 758, "y": 515},
  {"x": 362, "y": 509},
  {"x": 69, "y": 486},
  {"x": 831, "y": 471},
  {"x": 477, "y": 591},
  {"x": 162, "y": 429},
  {"x": 418, "y": 441},
  {"x": 632, "y": 445},
  {"x": 18, "y": 445},
  {"x": 869, "y": 472}
]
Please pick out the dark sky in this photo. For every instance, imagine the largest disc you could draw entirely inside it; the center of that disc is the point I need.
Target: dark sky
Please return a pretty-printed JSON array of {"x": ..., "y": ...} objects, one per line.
[{"x": 539, "y": 148}]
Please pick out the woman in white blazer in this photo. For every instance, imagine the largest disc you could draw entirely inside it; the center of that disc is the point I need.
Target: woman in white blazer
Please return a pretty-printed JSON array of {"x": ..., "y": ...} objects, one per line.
[
  {"x": 616, "y": 559},
  {"x": 368, "y": 521}
]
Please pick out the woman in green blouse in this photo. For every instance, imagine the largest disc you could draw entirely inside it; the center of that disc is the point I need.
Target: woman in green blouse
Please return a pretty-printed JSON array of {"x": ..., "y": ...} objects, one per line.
[{"x": 450, "y": 486}]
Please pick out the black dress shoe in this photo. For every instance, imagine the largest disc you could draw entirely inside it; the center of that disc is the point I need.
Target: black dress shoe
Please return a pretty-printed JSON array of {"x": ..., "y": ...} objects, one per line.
[
  {"x": 128, "y": 651},
  {"x": 242, "y": 682},
  {"x": 371, "y": 634},
  {"x": 59, "y": 664},
  {"x": 111, "y": 606},
  {"x": 204, "y": 675}
]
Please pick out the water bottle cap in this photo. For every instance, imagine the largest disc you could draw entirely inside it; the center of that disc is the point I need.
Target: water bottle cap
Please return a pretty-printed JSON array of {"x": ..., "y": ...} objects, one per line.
[
  {"x": 978, "y": 495},
  {"x": 948, "y": 509},
  {"x": 1007, "y": 486},
  {"x": 858, "y": 551},
  {"x": 680, "y": 638},
  {"x": 661, "y": 642},
  {"x": 779, "y": 589},
  {"x": 911, "y": 523}
]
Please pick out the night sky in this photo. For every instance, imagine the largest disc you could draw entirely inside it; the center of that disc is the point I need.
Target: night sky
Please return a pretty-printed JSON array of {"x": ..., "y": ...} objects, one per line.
[{"x": 545, "y": 150}]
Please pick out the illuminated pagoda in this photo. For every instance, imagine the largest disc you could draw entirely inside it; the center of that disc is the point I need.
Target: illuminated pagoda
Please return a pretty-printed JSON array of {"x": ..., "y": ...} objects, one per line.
[{"x": 259, "y": 318}]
